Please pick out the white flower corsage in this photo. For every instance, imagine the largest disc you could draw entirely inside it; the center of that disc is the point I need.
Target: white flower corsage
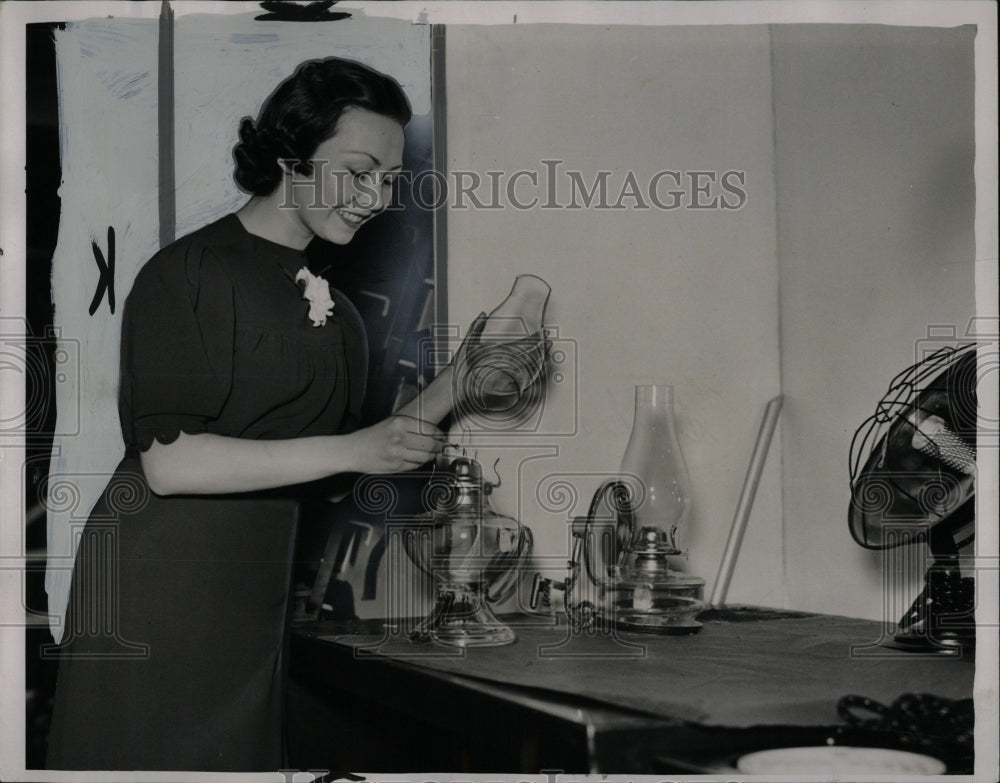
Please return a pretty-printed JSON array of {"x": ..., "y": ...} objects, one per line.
[{"x": 317, "y": 292}]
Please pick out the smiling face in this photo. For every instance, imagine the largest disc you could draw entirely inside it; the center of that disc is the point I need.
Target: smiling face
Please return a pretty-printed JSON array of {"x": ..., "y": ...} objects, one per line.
[{"x": 352, "y": 176}]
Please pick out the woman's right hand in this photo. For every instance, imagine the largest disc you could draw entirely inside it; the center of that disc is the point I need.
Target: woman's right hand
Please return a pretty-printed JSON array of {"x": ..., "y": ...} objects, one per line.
[
  {"x": 208, "y": 464},
  {"x": 396, "y": 444}
]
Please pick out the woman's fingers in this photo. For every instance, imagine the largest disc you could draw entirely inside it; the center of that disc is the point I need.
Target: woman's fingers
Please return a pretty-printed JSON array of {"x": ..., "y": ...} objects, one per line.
[
  {"x": 397, "y": 444},
  {"x": 421, "y": 435},
  {"x": 421, "y": 451},
  {"x": 419, "y": 441},
  {"x": 416, "y": 426}
]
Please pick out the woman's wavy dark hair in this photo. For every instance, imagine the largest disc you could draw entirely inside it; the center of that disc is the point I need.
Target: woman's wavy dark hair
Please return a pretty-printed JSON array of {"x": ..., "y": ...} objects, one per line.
[{"x": 303, "y": 112}]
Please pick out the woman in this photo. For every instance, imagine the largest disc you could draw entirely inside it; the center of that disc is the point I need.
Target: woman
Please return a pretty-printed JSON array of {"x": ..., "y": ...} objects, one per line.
[{"x": 234, "y": 389}]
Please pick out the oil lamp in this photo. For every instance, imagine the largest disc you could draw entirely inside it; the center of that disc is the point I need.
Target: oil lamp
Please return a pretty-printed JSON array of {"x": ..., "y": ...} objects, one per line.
[
  {"x": 473, "y": 553},
  {"x": 644, "y": 593},
  {"x": 624, "y": 545}
]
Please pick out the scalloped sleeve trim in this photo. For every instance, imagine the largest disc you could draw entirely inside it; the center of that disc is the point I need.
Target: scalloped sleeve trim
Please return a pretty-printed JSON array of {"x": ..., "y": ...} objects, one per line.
[{"x": 166, "y": 429}]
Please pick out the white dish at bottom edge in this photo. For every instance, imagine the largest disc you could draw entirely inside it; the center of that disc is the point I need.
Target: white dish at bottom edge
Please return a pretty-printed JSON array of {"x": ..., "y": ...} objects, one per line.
[{"x": 842, "y": 759}]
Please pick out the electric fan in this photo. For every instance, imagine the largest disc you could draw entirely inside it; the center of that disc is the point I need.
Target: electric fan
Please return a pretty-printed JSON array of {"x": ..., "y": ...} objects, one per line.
[{"x": 913, "y": 468}]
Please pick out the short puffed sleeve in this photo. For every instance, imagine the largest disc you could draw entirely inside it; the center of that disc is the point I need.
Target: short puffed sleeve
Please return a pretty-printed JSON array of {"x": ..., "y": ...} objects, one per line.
[{"x": 177, "y": 346}]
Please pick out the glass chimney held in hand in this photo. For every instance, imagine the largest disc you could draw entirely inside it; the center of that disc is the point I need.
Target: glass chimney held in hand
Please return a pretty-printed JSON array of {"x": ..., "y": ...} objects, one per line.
[{"x": 500, "y": 376}]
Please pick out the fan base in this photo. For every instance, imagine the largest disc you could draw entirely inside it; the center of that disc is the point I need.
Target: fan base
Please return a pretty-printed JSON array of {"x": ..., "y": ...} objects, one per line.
[{"x": 950, "y": 643}]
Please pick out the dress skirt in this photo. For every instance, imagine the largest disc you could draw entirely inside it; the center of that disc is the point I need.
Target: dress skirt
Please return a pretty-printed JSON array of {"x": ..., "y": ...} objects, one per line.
[{"x": 172, "y": 661}]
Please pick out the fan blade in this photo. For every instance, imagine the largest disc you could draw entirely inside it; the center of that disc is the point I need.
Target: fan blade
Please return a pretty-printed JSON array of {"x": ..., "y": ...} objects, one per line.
[{"x": 935, "y": 438}]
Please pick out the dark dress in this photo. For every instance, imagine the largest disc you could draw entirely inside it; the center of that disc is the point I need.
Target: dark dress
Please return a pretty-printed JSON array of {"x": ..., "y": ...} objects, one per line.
[{"x": 172, "y": 655}]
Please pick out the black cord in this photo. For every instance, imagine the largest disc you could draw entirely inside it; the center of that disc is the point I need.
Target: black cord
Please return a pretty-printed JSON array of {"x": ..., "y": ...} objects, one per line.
[{"x": 921, "y": 722}]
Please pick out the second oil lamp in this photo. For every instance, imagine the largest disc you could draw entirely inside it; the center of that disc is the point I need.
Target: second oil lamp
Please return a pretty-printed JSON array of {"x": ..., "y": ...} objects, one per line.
[{"x": 620, "y": 574}]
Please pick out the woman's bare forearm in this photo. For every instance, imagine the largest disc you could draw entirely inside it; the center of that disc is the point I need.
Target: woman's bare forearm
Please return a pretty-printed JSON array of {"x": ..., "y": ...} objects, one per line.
[
  {"x": 434, "y": 402},
  {"x": 216, "y": 464},
  {"x": 208, "y": 464}
]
